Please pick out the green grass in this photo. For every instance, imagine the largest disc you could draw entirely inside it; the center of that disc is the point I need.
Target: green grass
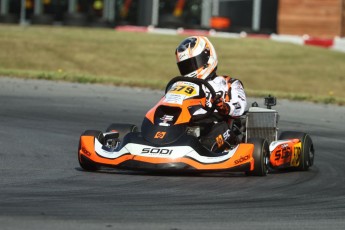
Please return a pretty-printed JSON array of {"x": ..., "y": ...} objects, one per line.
[{"x": 147, "y": 60}]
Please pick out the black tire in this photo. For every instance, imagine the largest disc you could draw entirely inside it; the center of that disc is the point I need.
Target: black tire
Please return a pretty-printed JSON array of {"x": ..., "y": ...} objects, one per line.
[
  {"x": 261, "y": 157},
  {"x": 95, "y": 133},
  {"x": 84, "y": 162},
  {"x": 122, "y": 129},
  {"x": 307, "y": 148}
]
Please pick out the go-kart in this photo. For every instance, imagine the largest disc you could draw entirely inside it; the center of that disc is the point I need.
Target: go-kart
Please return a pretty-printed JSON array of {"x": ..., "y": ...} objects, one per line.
[{"x": 171, "y": 131}]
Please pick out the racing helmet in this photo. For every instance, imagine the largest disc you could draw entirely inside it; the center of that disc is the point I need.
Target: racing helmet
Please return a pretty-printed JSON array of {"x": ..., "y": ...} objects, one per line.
[{"x": 196, "y": 57}]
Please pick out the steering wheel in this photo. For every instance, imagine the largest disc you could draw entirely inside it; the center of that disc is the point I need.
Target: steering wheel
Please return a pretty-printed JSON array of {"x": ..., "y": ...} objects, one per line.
[{"x": 200, "y": 82}]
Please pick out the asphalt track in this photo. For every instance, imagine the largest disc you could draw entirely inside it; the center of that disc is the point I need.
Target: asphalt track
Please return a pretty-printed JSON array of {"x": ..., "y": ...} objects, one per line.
[{"x": 43, "y": 187}]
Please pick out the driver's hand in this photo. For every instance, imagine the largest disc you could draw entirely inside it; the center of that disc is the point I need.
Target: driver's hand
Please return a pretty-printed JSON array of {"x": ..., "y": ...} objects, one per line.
[{"x": 222, "y": 107}]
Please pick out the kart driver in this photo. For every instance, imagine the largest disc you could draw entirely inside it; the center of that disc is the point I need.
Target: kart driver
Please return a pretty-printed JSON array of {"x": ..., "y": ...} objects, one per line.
[{"x": 196, "y": 57}]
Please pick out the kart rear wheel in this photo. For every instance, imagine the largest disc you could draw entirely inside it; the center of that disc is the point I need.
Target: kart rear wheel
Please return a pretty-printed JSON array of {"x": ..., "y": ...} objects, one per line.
[
  {"x": 84, "y": 162},
  {"x": 307, "y": 151},
  {"x": 261, "y": 157},
  {"x": 122, "y": 129}
]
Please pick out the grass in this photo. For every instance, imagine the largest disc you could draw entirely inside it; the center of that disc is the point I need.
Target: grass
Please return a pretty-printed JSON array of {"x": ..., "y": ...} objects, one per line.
[{"x": 147, "y": 60}]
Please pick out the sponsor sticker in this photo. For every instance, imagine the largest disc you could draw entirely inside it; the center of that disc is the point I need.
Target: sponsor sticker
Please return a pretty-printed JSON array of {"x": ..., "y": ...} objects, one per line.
[
  {"x": 165, "y": 120},
  {"x": 160, "y": 135},
  {"x": 296, "y": 156},
  {"x": 220, "y": 141},
  {"x": 241, "y": 159},
  {"x": 156, "y": 151},
  {"x": 85, "y": 151}
]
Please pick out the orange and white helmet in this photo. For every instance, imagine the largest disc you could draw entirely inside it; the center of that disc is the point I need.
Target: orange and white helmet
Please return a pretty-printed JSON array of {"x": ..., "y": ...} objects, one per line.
[{"x": 196, "y": 57}]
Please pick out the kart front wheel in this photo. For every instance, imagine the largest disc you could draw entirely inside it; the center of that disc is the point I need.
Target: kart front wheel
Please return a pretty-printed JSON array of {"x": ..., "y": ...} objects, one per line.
[
  {"x": 261, "y": 157},
  {"x": 84, "y": 162},
  {"x": 307, "y": 148},
  {"x": 122, "y": 129}
]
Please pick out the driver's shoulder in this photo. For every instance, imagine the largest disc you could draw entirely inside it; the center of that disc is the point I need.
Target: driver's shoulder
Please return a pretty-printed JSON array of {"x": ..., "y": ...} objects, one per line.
[
  {"x": 224, "y": 79},
  {"x": 230, "y": 80}
]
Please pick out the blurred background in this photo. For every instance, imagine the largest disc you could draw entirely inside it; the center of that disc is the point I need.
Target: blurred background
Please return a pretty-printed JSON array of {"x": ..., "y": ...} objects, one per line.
[{"x": 320, "y": 18}]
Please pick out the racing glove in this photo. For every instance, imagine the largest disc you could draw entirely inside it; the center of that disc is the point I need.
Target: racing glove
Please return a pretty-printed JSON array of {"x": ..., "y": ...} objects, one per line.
[{"x": 222, "y": 107}]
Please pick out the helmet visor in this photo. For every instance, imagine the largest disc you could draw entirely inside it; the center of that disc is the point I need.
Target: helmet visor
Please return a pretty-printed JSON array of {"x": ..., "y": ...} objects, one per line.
[{"x": 192, "y": 64}]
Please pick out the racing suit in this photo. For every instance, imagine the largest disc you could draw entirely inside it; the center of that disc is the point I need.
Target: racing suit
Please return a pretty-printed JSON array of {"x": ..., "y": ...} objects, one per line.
[
  {"x": 232, "y": 92},
  {"x": 234, "y": 98}
]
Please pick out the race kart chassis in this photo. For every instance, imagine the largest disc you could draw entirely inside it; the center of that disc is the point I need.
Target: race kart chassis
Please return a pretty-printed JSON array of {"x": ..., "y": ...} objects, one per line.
[{"x": 167, "y": 141}]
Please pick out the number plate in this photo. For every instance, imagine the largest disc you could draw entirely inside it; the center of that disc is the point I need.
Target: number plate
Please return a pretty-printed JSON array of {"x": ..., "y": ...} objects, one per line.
[{"x": 181, "y": 91}]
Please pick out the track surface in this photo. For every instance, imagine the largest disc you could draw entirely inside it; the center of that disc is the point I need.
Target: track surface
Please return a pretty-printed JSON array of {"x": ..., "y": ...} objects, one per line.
[{"x": 42, "y": 185}]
